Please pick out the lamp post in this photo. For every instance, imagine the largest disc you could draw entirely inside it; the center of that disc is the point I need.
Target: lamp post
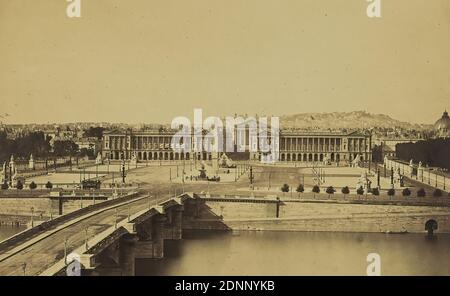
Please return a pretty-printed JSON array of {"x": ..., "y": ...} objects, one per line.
[
  {"x": 65, "y": 250},
  {"x": 392, "y": 177},
  {"x": 115, "y": 218},
  {"x": 123, "y": 171},
  {"x": 86, "y": 246},
  {"x": 32, "y": 217},
  {"x": 378, "y": 178}
]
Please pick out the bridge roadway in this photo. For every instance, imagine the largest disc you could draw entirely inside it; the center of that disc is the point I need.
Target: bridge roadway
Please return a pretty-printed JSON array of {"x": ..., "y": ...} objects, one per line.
[
  {"x": 47, "y": 249},
  {"x": 43, "y": 253}
]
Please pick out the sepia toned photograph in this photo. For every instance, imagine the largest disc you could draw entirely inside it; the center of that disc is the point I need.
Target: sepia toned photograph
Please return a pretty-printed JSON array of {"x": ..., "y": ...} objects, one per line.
[{"x": 221, "y": 138}]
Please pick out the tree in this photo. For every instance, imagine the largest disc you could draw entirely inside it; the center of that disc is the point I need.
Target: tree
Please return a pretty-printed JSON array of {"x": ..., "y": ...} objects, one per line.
[
  {"x": 437, "y": 192},
  {"x": 375, "y": 191},
  {"x": 421, "y": 192},
  {"x": 316, "y": 189},
  {"x": 345, "y": 190},
  {"x": 300, "y": 189},
  {"x": 5, "y": 186},
  {"x": 285, "y": 188},
  {"x": 87, "y": 152},
  {"x": 23, "y": 145},
  {"x": 49, "y": 185},
  {"x": 406, "y": 192},
  {"x": 330, "y": 190},
  {"x": 33, "y": 185},
  {"x": 94, "y": 132},
  {"x": 19, "y": 185},
  {"x": 65, "y": 148},
  {"x": 391, "y": 192},
  {"x": 360, "y": 191},
  {"x": 434, "y": 152},
  {"x": 377, "y": 153}
]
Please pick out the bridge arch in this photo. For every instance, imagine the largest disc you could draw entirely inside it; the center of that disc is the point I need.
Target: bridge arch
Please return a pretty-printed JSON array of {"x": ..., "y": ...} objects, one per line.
[{"x": 430, "y": 226}]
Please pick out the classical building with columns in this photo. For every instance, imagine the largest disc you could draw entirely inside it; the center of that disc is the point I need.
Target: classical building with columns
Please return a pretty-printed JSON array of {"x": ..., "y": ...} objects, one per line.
[
  {"x": 294, "y": 146},
  {"x": 321, "y": 146},
  {"x": 144, "y": 145}
]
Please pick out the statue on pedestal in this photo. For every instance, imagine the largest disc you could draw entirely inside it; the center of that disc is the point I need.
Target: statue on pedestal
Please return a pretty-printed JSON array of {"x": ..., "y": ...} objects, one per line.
[
  {"x": 356, "y": 162},
  {"x": 14, "y": 178},
  {"x": 31, "y": 163},
  {"x": 99, "y": 159},
  {"x": 133, "y": 160},
  {"x": 202, "y": 171},
  {"x": 361, "y": 183},
  {"x": 411, "y": 167},
  {"x": 225, "y": 161},
  {"x": 12, "y": 164}
]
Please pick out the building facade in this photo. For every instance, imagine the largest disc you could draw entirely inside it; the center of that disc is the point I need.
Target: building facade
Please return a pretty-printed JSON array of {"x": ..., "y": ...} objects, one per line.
[
  {"x": 322, "y": 146},
  {"x": 294, "y": 146},
  {"x": 442, "y": 126}
]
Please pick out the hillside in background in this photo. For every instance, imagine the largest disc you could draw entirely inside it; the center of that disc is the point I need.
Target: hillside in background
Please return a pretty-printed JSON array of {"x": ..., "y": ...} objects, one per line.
[{"x": 347, "y": 120}]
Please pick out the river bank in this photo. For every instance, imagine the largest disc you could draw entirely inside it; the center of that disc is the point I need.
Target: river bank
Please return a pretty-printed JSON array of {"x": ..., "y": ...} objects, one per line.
[{"x": 316, "y": 216}]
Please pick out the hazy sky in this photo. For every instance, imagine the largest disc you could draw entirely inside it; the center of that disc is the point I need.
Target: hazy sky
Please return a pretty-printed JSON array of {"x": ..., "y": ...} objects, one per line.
[{"x": 150, "y": 60}]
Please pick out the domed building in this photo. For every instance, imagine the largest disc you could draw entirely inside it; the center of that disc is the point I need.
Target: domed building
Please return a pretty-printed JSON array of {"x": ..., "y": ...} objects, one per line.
[{"x": 442, "y": 126}]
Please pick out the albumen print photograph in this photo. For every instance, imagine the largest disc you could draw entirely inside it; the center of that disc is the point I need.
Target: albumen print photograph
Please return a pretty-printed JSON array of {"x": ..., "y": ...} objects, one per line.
[{"x": 224, "y": 138}]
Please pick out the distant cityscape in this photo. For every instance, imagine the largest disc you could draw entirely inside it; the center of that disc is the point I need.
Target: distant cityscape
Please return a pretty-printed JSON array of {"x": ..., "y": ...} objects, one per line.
[{"x": 304, "y": 137}]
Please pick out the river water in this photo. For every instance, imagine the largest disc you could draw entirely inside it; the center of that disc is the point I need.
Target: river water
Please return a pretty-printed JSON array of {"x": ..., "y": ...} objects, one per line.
[
  {"x": 300, "y": 253},
  {"x": 294, "y": 253},
  {"x": 7, "y": 231}
]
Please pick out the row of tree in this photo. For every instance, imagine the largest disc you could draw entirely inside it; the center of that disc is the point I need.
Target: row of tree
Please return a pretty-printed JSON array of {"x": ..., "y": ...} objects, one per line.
[
  {"x": 33, "y": 143},
  {"x": 37, "y": 144},
  {"x": 360, "y": 191},
  {"x": 32, "y": 185},
  {"x": 434, "y": 152}
]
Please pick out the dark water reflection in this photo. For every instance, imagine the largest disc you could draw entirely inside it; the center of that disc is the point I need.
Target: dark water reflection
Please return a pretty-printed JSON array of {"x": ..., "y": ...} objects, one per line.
[
  {"x": 299, "y": 253},
  {"x": 7, "y": 231}
]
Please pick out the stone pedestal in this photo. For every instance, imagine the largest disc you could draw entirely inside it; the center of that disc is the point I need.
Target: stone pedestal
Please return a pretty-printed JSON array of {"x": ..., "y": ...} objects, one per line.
[
  {"x": 174, "y": 228},
  {"x": 177, "y": 221},
  {"x": 127, "y": 254},
  {"x": 158, "y": 236}
]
